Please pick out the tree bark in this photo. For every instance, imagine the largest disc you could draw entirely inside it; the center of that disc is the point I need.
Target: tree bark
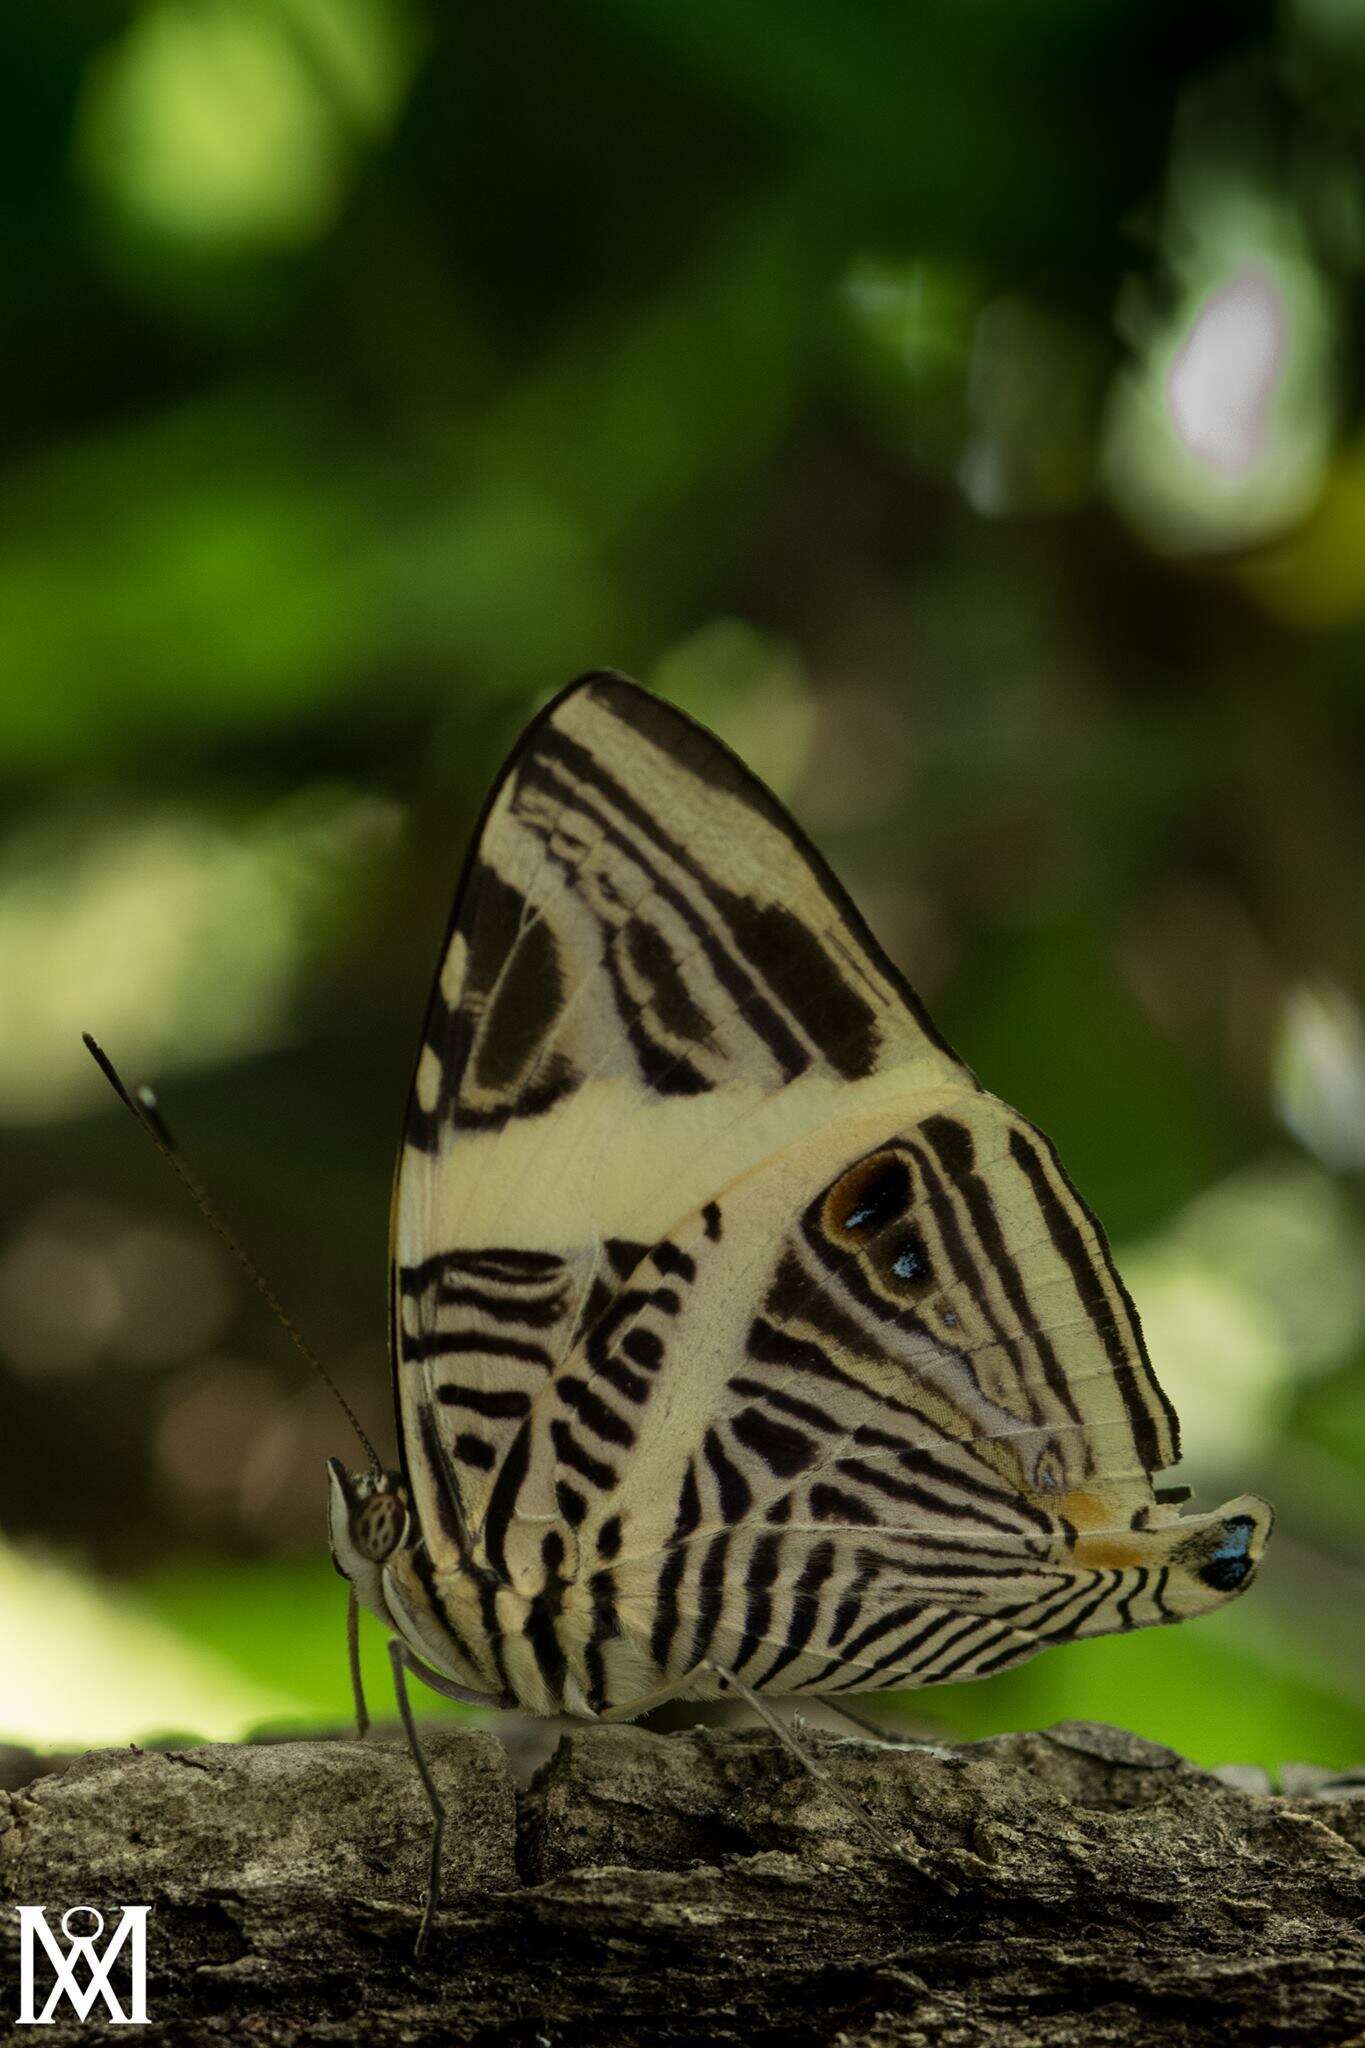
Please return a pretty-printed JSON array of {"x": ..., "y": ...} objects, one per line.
[{"x": 1079, "y": 1887}]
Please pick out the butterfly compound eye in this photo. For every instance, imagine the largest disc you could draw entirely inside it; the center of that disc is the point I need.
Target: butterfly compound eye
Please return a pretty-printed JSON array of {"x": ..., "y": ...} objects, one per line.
[{"x": 377, "y": 1529}]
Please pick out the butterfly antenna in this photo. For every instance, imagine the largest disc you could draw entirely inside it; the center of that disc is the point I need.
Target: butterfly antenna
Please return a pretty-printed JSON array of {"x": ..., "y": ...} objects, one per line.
[{"x": 144, "y": 1106}]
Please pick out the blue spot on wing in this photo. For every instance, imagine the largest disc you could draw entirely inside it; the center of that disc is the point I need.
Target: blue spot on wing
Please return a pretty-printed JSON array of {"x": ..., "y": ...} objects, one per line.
[{"x": 1229, "y": 1564}]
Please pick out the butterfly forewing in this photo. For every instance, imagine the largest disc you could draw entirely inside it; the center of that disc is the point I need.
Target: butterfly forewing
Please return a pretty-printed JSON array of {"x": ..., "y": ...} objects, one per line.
[
  {"x": 649, "y": 984},
  {"x": 733, "y": 1322}
]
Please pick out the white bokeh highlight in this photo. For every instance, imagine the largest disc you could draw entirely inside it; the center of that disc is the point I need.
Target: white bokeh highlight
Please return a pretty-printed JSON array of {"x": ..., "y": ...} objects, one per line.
[{"x": 1224, "y": 374}]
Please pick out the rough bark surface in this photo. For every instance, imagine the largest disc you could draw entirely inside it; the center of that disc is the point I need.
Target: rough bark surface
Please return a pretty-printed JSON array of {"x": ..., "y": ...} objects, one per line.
[{"x": 1079, "y": 1887}]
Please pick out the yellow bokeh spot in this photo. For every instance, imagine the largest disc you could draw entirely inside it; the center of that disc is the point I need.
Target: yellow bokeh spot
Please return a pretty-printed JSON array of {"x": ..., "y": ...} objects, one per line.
[{"x": 232, "y": 125}]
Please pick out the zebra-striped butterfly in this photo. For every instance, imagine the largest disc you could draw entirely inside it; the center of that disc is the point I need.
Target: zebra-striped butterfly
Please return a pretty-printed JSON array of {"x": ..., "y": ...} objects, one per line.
[{"x": 738, "y": 1334}]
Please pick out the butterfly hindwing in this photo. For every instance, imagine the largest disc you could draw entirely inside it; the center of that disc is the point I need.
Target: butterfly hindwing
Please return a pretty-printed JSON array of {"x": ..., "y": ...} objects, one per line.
[{"x": 840, "y": 1409}]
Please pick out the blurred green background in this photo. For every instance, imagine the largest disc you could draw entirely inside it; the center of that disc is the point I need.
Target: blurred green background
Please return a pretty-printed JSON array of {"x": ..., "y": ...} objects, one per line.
[{"x": 959, "y": 407}]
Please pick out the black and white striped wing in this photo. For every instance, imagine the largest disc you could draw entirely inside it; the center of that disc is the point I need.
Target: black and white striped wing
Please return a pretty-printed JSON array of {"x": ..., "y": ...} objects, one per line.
[
  {"x": 881, "y": 1415},
  {"x": 650, "y": 983},
  {"x": 734, "y": 1322}
]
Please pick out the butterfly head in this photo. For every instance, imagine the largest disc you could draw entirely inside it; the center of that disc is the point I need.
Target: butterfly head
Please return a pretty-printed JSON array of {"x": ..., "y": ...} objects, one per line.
[{"x": 368, "y": 1520}]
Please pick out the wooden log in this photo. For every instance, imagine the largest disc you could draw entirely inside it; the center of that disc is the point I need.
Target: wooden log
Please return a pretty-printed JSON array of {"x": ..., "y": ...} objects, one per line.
[{"x": 1079, "y": 1888}]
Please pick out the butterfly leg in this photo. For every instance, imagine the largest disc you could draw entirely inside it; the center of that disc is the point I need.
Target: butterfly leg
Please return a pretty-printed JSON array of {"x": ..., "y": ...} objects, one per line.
[
  {"x": 362, "y": 1716},
  {"x": 438, "y": 1812},
  {"x": 863, "y": 1721},
  {"x": 759, "y": 1705},
  {"x": 463, "y": 1695},
  {"x": 874, "y": 1728}
]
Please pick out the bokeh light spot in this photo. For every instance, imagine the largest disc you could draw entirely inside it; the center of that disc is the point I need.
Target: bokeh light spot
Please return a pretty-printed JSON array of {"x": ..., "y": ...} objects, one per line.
[
  {"x": 1218, "y": 433},
  {"x": 1320, "y": 1073},
  {"x": 1224, "y": 373},
  {"x": 211, "y": 1417},
  {"x": 59, "y": 1296},
  {"x": 1253, "y": 1289},
  {"x": 230, "y": 126},
  {"x": 180, "y": 938}
]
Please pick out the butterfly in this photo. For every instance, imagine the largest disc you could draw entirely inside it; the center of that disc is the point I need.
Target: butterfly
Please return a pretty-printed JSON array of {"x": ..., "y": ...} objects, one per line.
[{"x": 740, "y": 1338}]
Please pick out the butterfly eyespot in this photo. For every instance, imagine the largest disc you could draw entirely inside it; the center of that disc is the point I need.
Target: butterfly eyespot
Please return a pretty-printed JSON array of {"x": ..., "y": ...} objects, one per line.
[
  {"x": 868, "y": 1197},
  {"x": 1230, "y": 1564},
  {"x": 911, "y": 1261},
  {"x": 1226, "y": 1574},
  {"x": 1048, "y": 1475}
]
